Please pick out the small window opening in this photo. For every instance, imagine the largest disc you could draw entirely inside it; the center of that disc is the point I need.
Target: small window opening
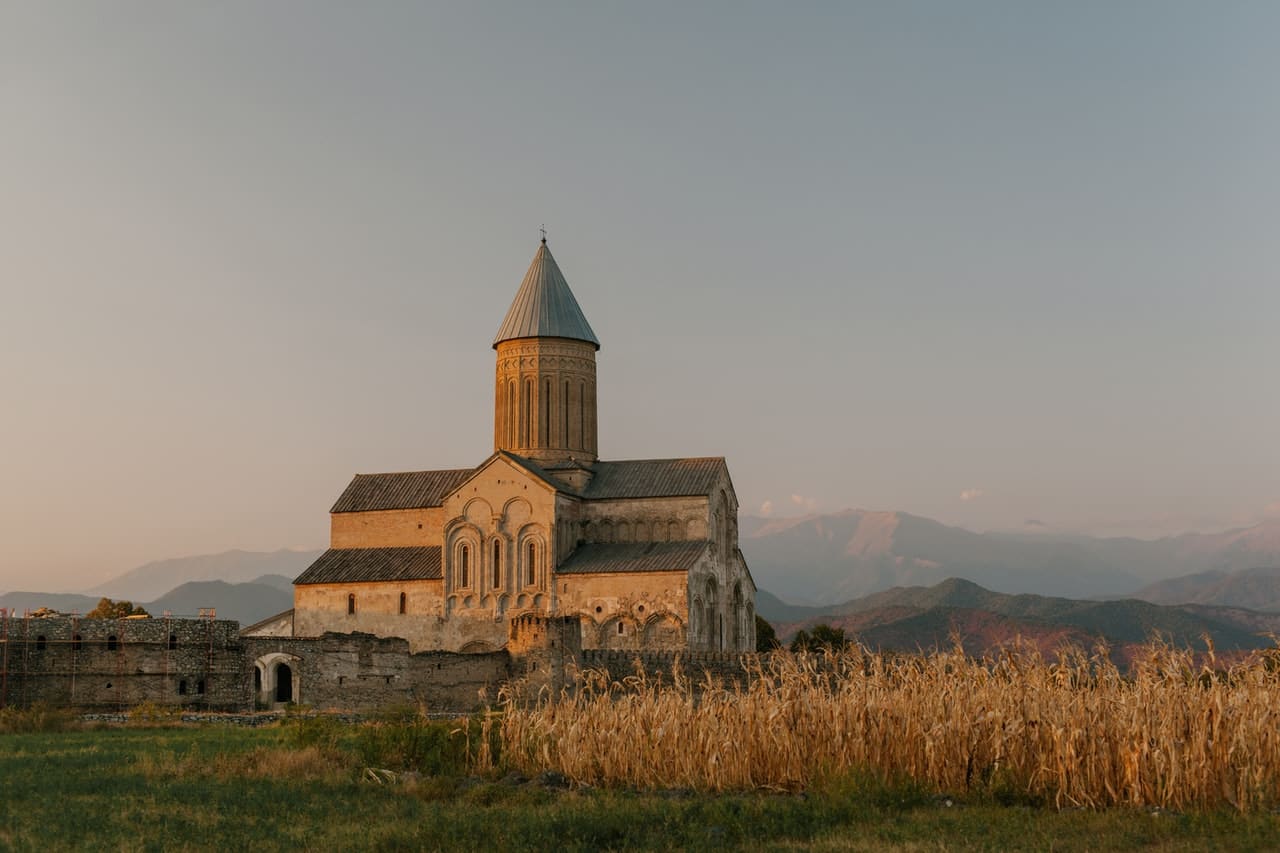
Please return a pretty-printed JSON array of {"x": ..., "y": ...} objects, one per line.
[
  {"x": 464, "y": 560},
  {"x": 641, "y": 608},
  {"x": 497, "y": 564},
  {"x": 182, "y": 687},
  {"x": 113, "y": 643},
  {"x": 341, "y": 678},
  {"x": 351, "y": 604},
  {"x": 75, "y": 642},
  {"x": 41, "y": 642},
  {"x": 533, "y": 564},
  {"x": 403, "y": 603},
  {"x": 619, "y": 627},
  {"x": 173, "y": 642},
  {"x": 108, "y": 685},
  {"x": 200, "y": 687},
  {"x": 599, "y": 609}
]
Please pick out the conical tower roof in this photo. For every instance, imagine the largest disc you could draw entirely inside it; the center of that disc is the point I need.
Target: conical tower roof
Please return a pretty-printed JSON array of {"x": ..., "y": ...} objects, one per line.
[{"x": 544, "y": 306}]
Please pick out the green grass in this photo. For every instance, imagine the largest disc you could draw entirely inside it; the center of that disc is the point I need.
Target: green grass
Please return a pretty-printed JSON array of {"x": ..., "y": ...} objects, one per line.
[{"x": 302, "y": 788}]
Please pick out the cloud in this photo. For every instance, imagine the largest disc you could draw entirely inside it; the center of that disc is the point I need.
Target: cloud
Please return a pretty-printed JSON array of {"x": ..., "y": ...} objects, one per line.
[
  {"x": 809, "y": 504},
  {"x": 766, "y": 508},
  {"x": 971, "y": 494}
]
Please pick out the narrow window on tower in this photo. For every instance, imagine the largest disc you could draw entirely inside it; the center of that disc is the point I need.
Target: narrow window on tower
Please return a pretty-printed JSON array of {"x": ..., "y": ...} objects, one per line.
[
  {"x": 544, "y": 432},
  {"x": 564, "y": 406},
  {"x": 497, "y": 564},
  {"x": 582, "y": 415},
  {"x": 532, "y": 571},
  {"x": 510, "y": 425},
  {"x": 526, "y": 421}
]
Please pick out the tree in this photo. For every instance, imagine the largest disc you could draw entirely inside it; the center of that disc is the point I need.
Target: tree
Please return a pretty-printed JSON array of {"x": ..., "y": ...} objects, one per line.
[
  {"x": 822, "y": 637},
  {"x": 108, "y": 609},
  {"x": 766, "y": 637}
]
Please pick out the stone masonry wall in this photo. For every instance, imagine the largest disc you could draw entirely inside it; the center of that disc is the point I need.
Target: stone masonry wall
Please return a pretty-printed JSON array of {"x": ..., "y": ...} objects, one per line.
[{"x": 118, "y": 663}]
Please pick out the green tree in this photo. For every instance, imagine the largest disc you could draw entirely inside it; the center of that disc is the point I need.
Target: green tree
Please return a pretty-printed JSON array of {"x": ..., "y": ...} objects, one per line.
[
  {"x": 108, "y": 609},
  {"x": 823, "y": 636},
  {"x": 766, "y": 637}
]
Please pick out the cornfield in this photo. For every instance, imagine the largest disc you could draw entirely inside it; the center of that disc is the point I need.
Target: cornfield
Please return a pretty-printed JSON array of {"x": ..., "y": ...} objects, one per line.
[{"x": 1173, "y": 732}]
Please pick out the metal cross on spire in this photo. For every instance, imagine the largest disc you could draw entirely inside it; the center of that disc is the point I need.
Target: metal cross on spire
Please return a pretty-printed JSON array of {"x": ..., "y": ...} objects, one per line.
[{"x": 543, "y": 229}]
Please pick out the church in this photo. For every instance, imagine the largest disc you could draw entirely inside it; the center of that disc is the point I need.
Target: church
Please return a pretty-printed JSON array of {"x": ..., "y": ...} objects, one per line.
[{"x": 644, "y": 553}]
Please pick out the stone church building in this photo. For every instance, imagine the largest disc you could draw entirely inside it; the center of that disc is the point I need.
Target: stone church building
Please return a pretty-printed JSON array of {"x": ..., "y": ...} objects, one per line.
[{"x": 643, "y": 552}]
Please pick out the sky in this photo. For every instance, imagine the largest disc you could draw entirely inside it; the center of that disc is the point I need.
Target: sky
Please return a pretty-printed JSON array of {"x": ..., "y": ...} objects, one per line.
[{"x": 1010, "y": 265}]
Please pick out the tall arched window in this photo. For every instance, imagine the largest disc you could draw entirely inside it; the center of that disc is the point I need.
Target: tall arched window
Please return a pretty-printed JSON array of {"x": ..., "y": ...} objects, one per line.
[
  {"x": 544, "y": 417},
  {"x": 464, "y": 566},
  {"x": 351, "y": 604},
  {"x": 497, "y": 564},
  {"x": 565, "y": 420},
  {"x": 403, "y": 602},
  {"x": 531, "y": 571},
  {"x": 510, "y": 425},
  {"x": 526, "y": 420},
  {"x": 582, "y": 416}
]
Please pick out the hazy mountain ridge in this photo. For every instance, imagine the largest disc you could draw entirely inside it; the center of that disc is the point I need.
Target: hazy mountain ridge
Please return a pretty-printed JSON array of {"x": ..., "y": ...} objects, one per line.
[
  {"x": 154, "y": 579},
  {"x": 911, "y": 618},
  {"x": 1255, "y": 589},
  {"x": 823, "y": 559},
  {"x": 244, "y": 602}
]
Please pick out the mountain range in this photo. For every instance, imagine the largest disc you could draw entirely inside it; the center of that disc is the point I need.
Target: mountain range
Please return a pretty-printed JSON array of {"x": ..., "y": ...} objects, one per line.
[
  {"x": 912, "y": 618},
  {"x": 826, "y": 559}
]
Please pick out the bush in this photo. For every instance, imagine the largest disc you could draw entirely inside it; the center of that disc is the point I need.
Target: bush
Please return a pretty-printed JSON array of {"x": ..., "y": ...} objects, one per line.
[
  {"x": 408, "y": 741},
  {"x": 37, "y": 718}
]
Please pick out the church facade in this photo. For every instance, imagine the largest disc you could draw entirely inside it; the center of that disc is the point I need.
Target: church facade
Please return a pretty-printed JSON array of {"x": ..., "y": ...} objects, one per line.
[{"x": 644, "y": 553}]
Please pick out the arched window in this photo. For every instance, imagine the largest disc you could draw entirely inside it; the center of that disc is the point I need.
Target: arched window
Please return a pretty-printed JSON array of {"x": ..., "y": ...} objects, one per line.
[
  {"x": 582, "y": 416},
  {"x": 351, "y": 604},
  {"x": 544, "y": 428},
  {"x": 497, "y": 563},
  {"x": 512, "y": 414},
  {"x": 526, "y": 421},
  {"x": 41, "y": 642},
  {"x": 113, "y": 643},
  {"x": 464, "y": 566},
  {"x": 403, "y": 602},
  {"x": 532, "y": 568},
  {"x": 565, "y": 422}
]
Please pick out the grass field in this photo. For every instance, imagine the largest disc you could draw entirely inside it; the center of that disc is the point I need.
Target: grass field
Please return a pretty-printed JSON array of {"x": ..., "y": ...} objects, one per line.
[{"x": 307, "y": 787}]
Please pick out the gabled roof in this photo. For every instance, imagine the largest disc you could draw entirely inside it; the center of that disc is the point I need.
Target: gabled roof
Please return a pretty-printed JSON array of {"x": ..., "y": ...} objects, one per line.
[
  {"x": 354, "y": 565},
  {"x": 633, "y": 557},
  {"x": 544, "y": 306},
  {"x": 633, "y": 478},
  {"x": 407, "y": 490},
  {"x": 655, "y": 478}
]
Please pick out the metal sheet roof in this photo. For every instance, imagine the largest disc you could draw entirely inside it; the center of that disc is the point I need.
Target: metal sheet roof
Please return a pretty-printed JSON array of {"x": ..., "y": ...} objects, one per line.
[
  {"x": 655, "y": 478},
  {"x": 544, "y": 306},
  {"x": 407, "y": 490},
  {"x": 633, "y": 557},
  {"x": 354, "y": 565}
]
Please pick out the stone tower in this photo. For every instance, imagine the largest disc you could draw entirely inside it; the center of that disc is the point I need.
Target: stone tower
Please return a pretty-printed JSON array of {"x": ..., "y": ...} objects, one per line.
[{"x": 545, "y": 393}]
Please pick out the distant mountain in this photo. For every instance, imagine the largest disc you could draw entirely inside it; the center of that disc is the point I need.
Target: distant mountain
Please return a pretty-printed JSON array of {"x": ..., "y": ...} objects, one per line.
[
  {"x": 1256, "y": 589},
  {"x": 914, "y": 618},
  {"x": 21, "y": 602},
  {"x": 823, "y": 559},
  {"x": 153, "y": 580},
  {"x": 278, "y": 581},
  {"x": 247, "y": 603},
  {"x": 776, "y": 610}
]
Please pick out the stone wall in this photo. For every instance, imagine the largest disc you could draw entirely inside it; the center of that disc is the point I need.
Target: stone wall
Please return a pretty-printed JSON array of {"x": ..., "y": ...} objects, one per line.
[
  {"x": 389, "y": 528},
  {"x": 360, "y": 672},
  {"x": 119, "y": 663}
]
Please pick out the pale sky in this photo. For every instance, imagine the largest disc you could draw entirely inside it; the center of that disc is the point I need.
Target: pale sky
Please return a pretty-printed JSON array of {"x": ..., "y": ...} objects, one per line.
[{"x": 983, "y": 262}]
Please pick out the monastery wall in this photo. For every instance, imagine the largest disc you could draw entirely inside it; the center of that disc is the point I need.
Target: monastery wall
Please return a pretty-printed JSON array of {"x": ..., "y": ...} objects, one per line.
[
  {"x": 391, "y": 528},
  {"x": 643, "y": 520},
  {"x": 109, "y": 664},
  {"x": 627, "y": 611}
]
